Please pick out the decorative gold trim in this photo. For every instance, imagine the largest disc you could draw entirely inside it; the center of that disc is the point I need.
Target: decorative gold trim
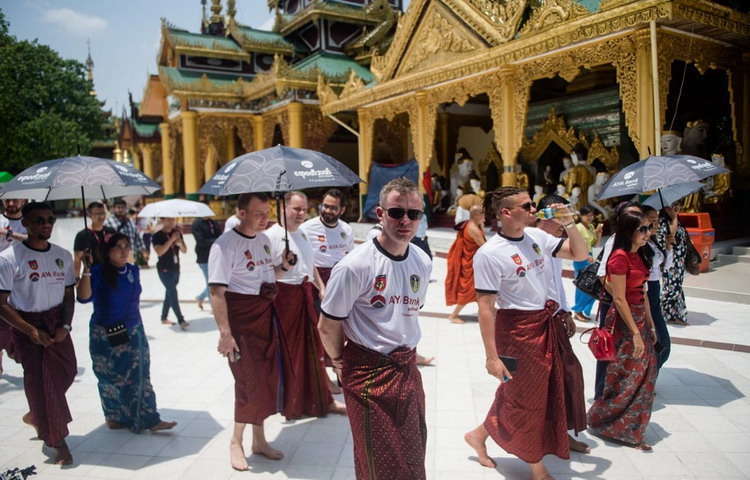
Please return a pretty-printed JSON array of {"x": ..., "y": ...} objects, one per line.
[
  {"x": 211, "y": 52},
  {"x": 256, "y": 46},
  {"x": 609, "y": 156},
  {"x": 550, "y": 14},
  {"x": 321, "y": 8}
]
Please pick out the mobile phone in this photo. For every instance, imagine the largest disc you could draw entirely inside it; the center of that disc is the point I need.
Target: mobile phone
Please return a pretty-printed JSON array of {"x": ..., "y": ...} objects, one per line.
[{"x": 511, "y": 363}]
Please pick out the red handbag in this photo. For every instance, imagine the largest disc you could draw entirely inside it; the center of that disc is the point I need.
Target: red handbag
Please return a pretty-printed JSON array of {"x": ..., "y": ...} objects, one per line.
[{"x": 601, "y": 343}]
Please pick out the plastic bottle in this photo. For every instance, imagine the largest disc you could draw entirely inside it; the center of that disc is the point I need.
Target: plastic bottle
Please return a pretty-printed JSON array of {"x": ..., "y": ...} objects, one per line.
[{"x": 549, "y": 212}]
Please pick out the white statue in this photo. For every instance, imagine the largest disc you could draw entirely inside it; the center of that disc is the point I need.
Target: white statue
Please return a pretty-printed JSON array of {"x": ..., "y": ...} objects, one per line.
[
  {"x": 567, "y": 165},
  {"x": 575, "y": 198},
  {"x": 671, "y": 142},
  {"x": 460, "y": 172},
  {"x": 538, "y": 193},
  {"x": 561, "y": 191},
  {"x": 593, "y": 193},
  {"x": 476, "y": 185}
]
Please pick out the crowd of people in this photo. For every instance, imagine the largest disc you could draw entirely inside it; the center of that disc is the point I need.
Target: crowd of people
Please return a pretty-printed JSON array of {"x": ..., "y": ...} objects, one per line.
[{"x": 299, "y": 297}]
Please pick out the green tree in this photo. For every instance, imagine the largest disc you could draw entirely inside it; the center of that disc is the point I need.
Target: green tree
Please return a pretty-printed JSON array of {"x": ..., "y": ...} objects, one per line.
[{"x": 46, "y": 110}]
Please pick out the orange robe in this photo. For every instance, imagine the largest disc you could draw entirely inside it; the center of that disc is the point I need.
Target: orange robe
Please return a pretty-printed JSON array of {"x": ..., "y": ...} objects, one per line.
[{"x": 459, "y": 283}]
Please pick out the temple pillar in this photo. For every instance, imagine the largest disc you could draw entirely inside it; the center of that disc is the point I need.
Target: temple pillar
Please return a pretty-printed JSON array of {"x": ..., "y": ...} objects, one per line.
[
  {"x": 136, "y": 158},
  {"x": 296, "y": 133},
  {"x": 422, "y": 125},
  {"x": 148, "y": 160},
  {"x": 190, "y": 154},
  {"x": 231, "y": 151},
  {"x": 211, "y": 162},
  {"x": 508, "y": 106},
  {"x": 645, "y": 140},
  {"x": 117, "y": 153},
  {"x": 443, "y": 159},
  {"x": 258, "y": 132},
  {"x": 167, "y": 163},
  {"x": 364, "y": 153}
]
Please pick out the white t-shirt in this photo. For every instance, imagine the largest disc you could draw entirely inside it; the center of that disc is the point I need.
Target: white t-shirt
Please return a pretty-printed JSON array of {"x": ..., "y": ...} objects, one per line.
[
  {"x": 35, "y": 279},
  {"x": 517, "y": 270},
  {"x": 299, "y": 244},
  {"x": 557, "y": 292},
  {"x": 661, "y": 262},
  {"x": 374, "y": 232},
  {"x": 241, "y": 263},
  {"x": 15, "y": 225},
  {"x": 378, "y": 296},
  {"x": 231, "y": 222},
  {"x": 329, "y": 244},
  {"x": 602, "y": 271}
]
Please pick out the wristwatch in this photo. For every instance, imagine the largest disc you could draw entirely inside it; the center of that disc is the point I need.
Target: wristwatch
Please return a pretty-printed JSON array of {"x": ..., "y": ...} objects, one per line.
[{"x": 67, "y": 327}]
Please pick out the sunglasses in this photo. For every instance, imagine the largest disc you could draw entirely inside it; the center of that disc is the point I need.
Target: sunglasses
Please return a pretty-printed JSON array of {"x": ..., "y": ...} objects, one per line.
[
  {"x": 41, "y": 220},
  {"x": 645, "y": 228},
  {"x": 397, "y": 213},
  {"x": 527, "y": 206}
]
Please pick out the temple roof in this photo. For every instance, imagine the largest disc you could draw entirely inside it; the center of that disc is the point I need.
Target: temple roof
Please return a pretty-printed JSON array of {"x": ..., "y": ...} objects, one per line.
[
  {"x": 154, "y": 101},
  {"x": 145, "y": 130},
  {"x": 324, "y": 9},
  {"x": 333, "y": 66},
  {"x": 260, "y": 40},
  {"x": 203, "y": 45},
  {"x": 177, "y": 77}
]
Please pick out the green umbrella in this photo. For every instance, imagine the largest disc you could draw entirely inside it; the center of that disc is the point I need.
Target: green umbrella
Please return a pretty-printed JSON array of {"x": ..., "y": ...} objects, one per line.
[{"x": 5, "y": 177}]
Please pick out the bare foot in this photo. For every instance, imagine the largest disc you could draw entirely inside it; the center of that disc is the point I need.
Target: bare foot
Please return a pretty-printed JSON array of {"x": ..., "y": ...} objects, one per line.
[
  {"x": 455, "y": 319},
  {"x": 333, "y": 387},
  {"x": 336, "y": 408},
  {"x": 63, "y": 454},
  {"x": 114, "y": 425},
  {"x": 237, "y": 457},
  {"x": 163, "y": 426},
  {"x": 268, "y": 452},
  {"x": 578, "y": 446},
  {"x": 200, "y": 303},
  {"x": 644, "y": 447},
  {"x": 424, "y": 361},
  {"x": 167, "y": 322},
  {"x": 477, "y": 443},
  {"x": 540, "y": 472},
  {"x": 29, "y": 420}
]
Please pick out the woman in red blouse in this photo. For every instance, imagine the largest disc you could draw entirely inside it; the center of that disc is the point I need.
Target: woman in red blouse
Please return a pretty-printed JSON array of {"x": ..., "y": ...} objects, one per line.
[{"x": 623, "y": 411}]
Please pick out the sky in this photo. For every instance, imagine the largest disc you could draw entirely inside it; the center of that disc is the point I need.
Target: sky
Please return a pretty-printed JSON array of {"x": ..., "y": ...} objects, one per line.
[{"x": 124, "y": 34}]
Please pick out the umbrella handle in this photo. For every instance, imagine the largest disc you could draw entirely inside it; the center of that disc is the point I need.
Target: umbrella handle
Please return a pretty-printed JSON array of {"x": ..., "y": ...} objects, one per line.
[
  {"x": 281, "y": 213},
  {"x": 83, "y": 202}
]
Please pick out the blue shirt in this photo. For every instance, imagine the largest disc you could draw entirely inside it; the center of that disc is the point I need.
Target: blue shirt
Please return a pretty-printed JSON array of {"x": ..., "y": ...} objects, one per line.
[{"x": 119, "y": 304}]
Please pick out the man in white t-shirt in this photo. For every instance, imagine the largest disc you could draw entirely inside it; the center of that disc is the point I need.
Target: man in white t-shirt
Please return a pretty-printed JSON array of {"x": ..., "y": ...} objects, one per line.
[
  {"x": 513, "y": 279},
  {"x": 11, "y": 231},
  {"x": 36, "y": 299},
  {"x": 373, "y": 299},
  {"x": 232, "y": 221},
  {"x": 306, "y": 391},
  {"x": 331, "y": 237},
  {"x": 242, "y": 279}
]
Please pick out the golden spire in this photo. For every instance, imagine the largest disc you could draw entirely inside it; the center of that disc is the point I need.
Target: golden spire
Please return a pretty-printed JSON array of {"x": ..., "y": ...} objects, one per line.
[
  {"x": 90, "y": 68},
  {"x": 231, "y": 9},
  {"x": 215, "y": 11}
]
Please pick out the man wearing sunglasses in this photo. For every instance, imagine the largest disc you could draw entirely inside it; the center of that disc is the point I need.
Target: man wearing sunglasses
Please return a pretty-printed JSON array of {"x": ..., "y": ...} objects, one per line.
[
  {"x": 513, "y": 279},
  {"x": 372, "y": 299},
  {"x": 11, "y": 230},
  {"x": 36, "y": 299}
]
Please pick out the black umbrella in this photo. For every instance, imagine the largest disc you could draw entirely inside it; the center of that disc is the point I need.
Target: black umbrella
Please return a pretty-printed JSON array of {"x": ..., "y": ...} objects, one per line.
[
  {"x": 656, "y": 172},
  {"x": 279, "y": 169},
  {"x": 74, "y": 177}
]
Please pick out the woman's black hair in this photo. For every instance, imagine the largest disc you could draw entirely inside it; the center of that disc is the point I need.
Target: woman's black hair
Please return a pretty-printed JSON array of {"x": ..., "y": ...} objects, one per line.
[
  {"x": 627, "y": 224},
  {"x": 109, "y": 271}
]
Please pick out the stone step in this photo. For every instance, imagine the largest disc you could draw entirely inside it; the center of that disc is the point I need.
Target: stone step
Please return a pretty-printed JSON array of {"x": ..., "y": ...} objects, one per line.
[
  {"x": 741, "y": 250},
  {"x": 725, "y": 259},
  {"x": 718, "y": 295}
]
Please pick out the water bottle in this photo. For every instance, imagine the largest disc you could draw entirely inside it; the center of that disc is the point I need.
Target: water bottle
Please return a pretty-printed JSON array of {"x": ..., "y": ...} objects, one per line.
[{"x": 549, "y": 212}]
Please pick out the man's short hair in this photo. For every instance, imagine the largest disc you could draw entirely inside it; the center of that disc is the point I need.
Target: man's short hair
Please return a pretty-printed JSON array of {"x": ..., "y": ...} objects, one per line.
[
  {"x": 402, "y": 185},
  {"x": 244, "y": 199},
  {"x": 94, "y": 205},
  {"x": 552, "y": 199},
  {"x": 500, "y": 196},
  {"x": 294, "y": 193},
  {"x": 335, "y": 193},
  {"x": 119, "y": 201},
  {"x": 31, "y": 207}
]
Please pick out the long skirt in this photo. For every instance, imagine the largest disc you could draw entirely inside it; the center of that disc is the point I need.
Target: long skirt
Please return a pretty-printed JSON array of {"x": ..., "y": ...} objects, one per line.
[
  {"x": 325, "y": 274},
  {"x": 6, "y": 338},
  {"x": 306, "y": 391},
  {"x": 258, "y": 391},
  {"x": 672, "y": 296},
  {"x": 48, "y": 372},
  {"x": 124, "y": 378},
  {"x": 533, "y": 412},
  {"x": 386, "y": 407},
  {"x": 623, "y": 410}
]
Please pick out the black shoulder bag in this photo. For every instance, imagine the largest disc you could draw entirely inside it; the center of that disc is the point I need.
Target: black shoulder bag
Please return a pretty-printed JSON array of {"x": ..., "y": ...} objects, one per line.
[{"x": 588, "y": 281}]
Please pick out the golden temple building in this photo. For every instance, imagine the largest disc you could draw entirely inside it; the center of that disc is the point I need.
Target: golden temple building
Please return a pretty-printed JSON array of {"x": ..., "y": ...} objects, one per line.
[{"x": 516, "y": 85}]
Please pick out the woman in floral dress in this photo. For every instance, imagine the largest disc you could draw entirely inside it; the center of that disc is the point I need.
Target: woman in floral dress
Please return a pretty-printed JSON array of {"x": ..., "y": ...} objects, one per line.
[
  {"x": 118, "y": 344},
  {"x": 672, "y": 297},
  {"x": 623, "y": 410}
]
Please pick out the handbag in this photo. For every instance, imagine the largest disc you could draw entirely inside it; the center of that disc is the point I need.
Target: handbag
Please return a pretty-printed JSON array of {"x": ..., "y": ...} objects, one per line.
[
  {"x": 588, "y": 281},
  {"x": 117, "y": 334},
  {"x": 692, "y": 258},
  {"x": 602, "y": 342}
]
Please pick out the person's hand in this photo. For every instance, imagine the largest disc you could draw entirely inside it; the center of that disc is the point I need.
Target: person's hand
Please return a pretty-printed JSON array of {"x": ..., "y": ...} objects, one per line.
[
  {"x": 564, "y": 214},
  {"x": 638, "y": 347},
  {"x": 60, "y": 335},
  {"x": 599, "y": 229},
  {"x": 175, "y": 235},
  {"x": 40, "y": 337},
  {"x": 288, "y": 259},
  {"x": 497, "y": 369},
  {"x": 570, "y": 325},
  {"x": 88, "y": 260},
  {"x": 227, "y": 346},
  {"x": 590, "y": 259},
  {"x": 551, "y": 226},
  {"x": 338, "y": 367}
]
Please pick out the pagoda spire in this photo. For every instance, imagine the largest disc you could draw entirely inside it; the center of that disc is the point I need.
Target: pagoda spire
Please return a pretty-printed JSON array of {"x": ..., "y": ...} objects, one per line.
[
  {"x": 231, "y": 9},
  {"x": 216, "y": 22},
  {"x": 90, "y": 67}
]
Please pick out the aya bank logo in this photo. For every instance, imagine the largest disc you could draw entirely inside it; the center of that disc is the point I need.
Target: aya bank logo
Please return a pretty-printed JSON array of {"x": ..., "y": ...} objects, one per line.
[
  {"x": 628, "y": 175},
  {"x": 306, "y": 163},
  {"x": 42, "y": 169},
  {"x": 230, "y": 167}
]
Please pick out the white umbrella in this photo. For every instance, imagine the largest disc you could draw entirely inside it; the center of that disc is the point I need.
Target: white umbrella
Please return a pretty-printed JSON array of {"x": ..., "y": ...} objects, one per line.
[{"x": 176, "y": 207}]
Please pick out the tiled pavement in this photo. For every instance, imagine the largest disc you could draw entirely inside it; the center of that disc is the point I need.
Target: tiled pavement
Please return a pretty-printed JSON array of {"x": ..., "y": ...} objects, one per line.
[{"x": 700, "y": 427}]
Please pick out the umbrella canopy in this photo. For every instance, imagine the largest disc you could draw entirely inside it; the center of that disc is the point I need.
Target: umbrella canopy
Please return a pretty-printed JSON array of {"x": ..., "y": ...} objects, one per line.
[
  {"x": 279, "y": 169},
  {"x": 175, "y": 208},
  {"x": 657, "y": 172},
  {"x": 74, "y": 177},
  {"x": 668, "y": 195}
]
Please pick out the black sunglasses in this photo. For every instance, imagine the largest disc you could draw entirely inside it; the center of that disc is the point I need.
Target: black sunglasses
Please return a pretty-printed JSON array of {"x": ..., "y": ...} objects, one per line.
[
  {"x": 41, "y": 220},
  {"x": 527, "y": 206},
  {"x": 397, "y": 213},
  {"x": 645, "y": 228}
]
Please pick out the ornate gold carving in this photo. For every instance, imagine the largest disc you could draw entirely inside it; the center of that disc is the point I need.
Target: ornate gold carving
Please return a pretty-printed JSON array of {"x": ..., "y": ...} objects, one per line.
[
  {"x": 325, "y": 92},
  {"x": 553, "y": 130},
  {"x": 318, "y": 129},
  {"x": 353, "y": 84},
  {"x": 713, "y": 14},
  {"x": 279, "y": 117},
  {"x": 505, "y": 16},
  {"x": 436, "y": 41},
  {"x": 608, "y": 156},
  {"x": 552, "y": 13}
]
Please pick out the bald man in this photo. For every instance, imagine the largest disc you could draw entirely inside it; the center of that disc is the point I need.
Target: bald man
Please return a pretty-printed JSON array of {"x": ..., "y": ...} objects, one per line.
[{"x": 459, "y": 282}]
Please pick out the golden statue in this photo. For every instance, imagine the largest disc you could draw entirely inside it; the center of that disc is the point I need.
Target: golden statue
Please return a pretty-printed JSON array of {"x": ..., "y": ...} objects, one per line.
[
  {"x": 522, "y": 179},
  {"x": 577, "y": 175},
  {"x": 717, "y": 187},
  {"x": 693, "y": 143}
]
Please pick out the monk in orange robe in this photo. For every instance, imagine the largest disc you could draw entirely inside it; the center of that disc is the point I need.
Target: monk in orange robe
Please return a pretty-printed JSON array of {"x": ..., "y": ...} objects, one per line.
[{"x": 459, "y": 283}]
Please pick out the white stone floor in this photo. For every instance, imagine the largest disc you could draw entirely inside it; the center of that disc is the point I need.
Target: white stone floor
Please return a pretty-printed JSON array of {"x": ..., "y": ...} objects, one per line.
[{"x": 700, "y": 427}]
